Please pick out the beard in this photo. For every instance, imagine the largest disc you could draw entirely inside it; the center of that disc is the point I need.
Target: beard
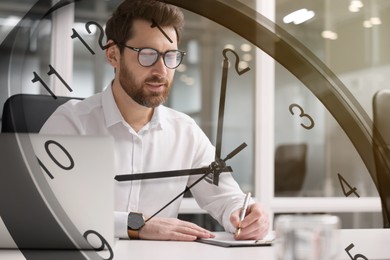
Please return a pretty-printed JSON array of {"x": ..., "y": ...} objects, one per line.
[{"x": 139, "y": 93}]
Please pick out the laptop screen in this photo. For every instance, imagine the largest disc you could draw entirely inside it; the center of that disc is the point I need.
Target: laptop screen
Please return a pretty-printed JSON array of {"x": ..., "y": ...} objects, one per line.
[{"x": 56, "y": 192}]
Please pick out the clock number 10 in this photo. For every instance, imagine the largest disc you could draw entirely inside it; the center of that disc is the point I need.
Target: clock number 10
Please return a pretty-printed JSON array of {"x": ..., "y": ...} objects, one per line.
[{"x": 64, "y": 167}]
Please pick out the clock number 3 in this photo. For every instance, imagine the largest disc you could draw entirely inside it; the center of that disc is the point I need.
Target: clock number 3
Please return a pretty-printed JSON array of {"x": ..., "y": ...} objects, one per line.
[
  {"x": 355, "y": 257},
  {"x": 351, "y": 190},
  {"x": 48, "y": 151},
  {"x": 302, "y": 114}
]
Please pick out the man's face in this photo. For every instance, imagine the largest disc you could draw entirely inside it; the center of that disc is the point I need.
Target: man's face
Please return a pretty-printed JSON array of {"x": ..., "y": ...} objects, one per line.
[{"x": 148, "y": 86}]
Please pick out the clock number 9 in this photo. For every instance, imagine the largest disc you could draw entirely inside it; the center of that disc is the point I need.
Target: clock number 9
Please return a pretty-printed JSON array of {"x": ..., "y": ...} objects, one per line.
[
  {"x": 102, "y": 240},
  {"x": 67, "y": 168},
  {"x": 357, "y": 256},
  {"x": 302, "y": 114}
]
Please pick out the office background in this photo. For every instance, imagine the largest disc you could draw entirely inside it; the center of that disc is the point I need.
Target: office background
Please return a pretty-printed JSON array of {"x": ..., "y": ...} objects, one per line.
[{"x": 288, "y": 167}]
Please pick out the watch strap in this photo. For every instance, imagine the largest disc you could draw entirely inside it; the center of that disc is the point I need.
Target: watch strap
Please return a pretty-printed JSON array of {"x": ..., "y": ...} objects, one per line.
[{"x": 133, "y": 234}]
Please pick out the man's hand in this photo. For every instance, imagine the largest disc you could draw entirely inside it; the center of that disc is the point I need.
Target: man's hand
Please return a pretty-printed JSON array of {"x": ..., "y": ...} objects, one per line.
[
  {"x": 255, "y": 224},
  {"x": 172, "y": 229}
]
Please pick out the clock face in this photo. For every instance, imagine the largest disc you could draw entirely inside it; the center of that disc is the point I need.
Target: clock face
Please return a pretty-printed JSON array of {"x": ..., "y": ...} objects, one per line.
[{"x": 323, "y": 98}]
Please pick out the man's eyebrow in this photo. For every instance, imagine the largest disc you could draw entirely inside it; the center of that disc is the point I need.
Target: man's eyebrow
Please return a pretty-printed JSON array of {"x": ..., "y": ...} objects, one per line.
[{"x": 154, "y": 24}]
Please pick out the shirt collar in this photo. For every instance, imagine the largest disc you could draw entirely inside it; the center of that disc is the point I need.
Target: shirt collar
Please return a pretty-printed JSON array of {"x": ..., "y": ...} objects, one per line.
[
  {"x": 113, "y": 116},
  {"x": 157, "y": 117}
]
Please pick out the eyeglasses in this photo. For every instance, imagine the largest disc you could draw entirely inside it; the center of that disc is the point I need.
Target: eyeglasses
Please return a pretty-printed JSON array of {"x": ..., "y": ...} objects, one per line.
[{"x": 148, "y": 56}]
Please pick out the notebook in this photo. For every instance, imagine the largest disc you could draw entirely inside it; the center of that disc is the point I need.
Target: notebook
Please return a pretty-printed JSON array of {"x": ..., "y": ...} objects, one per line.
[
  {"x": 225, "y": 239},
  {"x": 56, "y": 192}
]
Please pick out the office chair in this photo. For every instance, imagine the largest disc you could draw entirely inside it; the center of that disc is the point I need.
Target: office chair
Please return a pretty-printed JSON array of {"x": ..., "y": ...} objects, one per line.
[
  {"x": 290, "y": 169},
  {"x": 26, "y": 113},
  {"x": 381, "y": 149}
]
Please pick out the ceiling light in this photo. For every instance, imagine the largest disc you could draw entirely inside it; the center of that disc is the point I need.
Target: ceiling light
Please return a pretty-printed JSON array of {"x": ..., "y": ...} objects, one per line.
[
  {"x": 375, "y": 20},
  {"x": 246, "y": 47},
  {"x": 355, "y": 5},
  {"x": 367, "y": 24},
  {"x": 182, "y": 68},
  {"x": 10, "y": 21},
  {"x": 299, "y": 16},
  {"x": 229, "y": 46},
  {"x": 327, "y": 34},
  {"x": 243, "y": 65},
  {"x": 247, "y": 57},
  {"x": 353, "y": 9}
]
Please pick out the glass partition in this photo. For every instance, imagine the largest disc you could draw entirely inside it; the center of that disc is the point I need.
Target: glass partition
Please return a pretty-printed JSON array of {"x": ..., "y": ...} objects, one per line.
[{"x": 316, "y": 152}]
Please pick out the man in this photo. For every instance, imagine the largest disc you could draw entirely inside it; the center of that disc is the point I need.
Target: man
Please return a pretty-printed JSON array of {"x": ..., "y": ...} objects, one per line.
[{"x": 150, "y": 137}]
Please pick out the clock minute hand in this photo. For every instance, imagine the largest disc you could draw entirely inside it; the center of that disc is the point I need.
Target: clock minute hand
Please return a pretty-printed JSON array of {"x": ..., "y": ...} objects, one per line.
[{"x": 221, "y": 113}]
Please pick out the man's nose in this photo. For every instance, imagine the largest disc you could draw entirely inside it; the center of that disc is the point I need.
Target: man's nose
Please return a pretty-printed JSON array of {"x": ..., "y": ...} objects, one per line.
[{"x": 159, "y": 67}]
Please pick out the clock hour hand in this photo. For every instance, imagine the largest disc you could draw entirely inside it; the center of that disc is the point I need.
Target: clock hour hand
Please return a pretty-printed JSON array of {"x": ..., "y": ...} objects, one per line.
[
  {"x": 217, "y": 167},
  {"x": 167, "y": 174}
]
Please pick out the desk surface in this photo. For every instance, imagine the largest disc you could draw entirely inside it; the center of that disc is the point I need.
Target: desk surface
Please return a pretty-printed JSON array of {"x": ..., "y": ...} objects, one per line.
[{"x": 372, "y": 243}]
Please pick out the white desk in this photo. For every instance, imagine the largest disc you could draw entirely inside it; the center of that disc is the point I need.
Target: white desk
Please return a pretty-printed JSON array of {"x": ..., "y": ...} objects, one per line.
[{"x": 372, "y": 243}]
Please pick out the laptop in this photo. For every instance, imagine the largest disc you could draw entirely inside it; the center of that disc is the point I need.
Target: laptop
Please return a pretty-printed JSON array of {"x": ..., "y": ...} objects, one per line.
[{"x": 56, "y": 192}]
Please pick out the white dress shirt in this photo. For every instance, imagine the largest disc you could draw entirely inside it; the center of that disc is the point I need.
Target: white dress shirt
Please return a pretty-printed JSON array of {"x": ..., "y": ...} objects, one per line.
[{"x": 170, "y": 141}]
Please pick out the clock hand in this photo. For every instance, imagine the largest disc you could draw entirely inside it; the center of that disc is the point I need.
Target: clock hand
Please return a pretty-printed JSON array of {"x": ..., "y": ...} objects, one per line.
[
  {"x": 215, "y": 177},
  {"x": 175, "y": 173},
  {"x": 214, "y": 167},
  {"x": 166, "y": 174}
]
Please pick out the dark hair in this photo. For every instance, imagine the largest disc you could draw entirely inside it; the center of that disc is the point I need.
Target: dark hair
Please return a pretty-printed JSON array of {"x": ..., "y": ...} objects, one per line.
[{"x": 119, "y": 26}]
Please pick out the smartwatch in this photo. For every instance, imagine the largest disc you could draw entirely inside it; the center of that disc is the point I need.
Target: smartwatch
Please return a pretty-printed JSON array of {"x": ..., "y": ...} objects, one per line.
[{"x": 135, "y": 221}]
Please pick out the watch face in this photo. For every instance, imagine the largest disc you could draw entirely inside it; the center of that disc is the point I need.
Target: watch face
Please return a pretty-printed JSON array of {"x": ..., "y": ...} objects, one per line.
[{"x": 135, "y": 221}]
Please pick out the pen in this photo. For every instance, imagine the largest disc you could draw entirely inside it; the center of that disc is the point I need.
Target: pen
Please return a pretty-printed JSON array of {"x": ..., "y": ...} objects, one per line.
[{"x": 243, "y": 212}]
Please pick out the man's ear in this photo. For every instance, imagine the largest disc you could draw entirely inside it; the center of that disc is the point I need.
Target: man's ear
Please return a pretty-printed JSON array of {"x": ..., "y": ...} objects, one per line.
[{"x": 113, "y": 54}]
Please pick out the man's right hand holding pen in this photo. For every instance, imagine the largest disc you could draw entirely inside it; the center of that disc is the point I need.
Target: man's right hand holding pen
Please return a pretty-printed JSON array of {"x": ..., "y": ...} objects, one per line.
[{"x": 251, "y": 221}]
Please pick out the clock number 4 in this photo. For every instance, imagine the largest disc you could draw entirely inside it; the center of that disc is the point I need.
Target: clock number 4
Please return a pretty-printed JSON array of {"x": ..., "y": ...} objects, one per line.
[
  {"x": 48, "y": 151},
  {"x": 344, "y": 182},
  {"x": 355, "y": 257}
]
